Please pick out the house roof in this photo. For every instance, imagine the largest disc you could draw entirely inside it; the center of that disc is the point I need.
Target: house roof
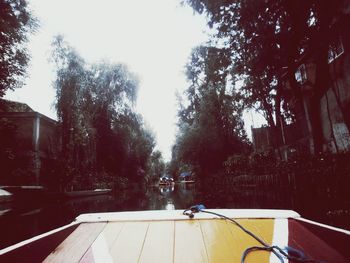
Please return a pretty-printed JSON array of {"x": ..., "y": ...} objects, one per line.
[
  {"x": 14, "y": 106},
  {"x": 14, "y": 109}
]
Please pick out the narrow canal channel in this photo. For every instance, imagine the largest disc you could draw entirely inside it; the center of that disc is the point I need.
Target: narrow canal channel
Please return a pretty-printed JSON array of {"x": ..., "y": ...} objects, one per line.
[{"x": 22, "y": 220}]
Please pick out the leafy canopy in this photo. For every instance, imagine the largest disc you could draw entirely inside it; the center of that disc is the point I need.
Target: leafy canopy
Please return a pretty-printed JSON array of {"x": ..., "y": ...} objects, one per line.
[
  {"x": 101, "y": 133},
  {"x": 16, "y": 24},
  {"x": 210, "y": 124}
]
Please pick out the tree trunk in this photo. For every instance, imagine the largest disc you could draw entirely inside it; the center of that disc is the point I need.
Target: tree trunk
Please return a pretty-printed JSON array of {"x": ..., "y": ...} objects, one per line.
[
  {"x": 278, "y": 127},
  {"x": 316, "y": 124},
  {"x": 275, "y": 130},
  {"x": 331, "y": 125}
]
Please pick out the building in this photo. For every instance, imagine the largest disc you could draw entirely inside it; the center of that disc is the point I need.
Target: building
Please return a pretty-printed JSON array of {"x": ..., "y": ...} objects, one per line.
[
  {"x": 29, "y": 144},
  {"x": 322, "y": 111}
]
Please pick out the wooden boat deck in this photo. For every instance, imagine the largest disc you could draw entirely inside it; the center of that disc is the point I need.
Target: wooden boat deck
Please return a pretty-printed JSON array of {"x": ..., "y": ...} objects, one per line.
[
  {"x": 213, "y": 240},
  {"x": 169, "y": 236}
]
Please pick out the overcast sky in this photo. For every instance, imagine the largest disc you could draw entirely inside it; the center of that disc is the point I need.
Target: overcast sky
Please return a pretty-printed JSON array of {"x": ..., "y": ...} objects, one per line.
[{"x": 154, "y": 38}]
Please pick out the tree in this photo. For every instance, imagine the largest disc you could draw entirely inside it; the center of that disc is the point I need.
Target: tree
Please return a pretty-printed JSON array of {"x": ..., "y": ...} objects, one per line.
[
  {"x": 156, "y": 166},
  {"x": 102, "y": 136},
  {"x": 69, "y": 84},
  {"x": 139, "y": 143},
  {"x": 249, "y": 30},
  {"x": 111, "y": 92},
  {"x": 16, "y": 23},
  {"x": 210, "y": 125},
  {"x": 266, "y": 38}
]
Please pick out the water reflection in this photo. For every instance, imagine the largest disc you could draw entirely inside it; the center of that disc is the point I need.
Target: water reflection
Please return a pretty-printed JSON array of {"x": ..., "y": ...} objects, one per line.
[
  {"x": 166, "y": 189},
  {"x": 170, "y": 205},
  {"x": 32, "y": 218}
]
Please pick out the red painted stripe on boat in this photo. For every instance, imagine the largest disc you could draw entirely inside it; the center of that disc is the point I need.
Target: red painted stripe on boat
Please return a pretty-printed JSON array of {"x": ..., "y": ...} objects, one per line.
[
  {"x": 316, "y": 242},
  {"x": 39, "y": 249}
]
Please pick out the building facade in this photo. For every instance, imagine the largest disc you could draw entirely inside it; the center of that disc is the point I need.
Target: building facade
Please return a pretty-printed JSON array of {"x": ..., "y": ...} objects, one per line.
[{"x": 30, "y": 145}]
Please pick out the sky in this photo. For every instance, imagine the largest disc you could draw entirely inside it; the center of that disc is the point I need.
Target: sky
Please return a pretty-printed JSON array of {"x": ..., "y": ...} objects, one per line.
[{"x": 154, "y": 38}]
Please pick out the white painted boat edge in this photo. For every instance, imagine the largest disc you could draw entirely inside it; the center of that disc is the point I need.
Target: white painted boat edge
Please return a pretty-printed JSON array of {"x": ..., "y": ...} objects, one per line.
[
  {"x": 280, "y": 237},
  {"x": 30, "y": 240},
  {"x": 152, "y": 215},
  {"x": 324, "y": 225}
]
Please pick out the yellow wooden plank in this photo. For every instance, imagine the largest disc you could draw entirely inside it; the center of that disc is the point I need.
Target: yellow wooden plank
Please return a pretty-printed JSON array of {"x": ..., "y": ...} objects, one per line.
[
  {"x": 159, "y": 243},
  {"x": 128, "y": 245},
  {"x": 75, "y": 245},
  {"x": 220, "y": 243},
  {"x": 263, "y": 228},
  {"x": 189, "y": 245}
]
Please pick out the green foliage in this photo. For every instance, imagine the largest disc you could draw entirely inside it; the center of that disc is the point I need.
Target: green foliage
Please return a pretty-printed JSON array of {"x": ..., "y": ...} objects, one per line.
[
  {"x": 102, "y": 136},
  {"x": 251, "y": 31},
  {"x": 156, "y": 167},
  {"x": 210, "y": 125},
  {"x": 16, "y": 23},
  {"x": 265, "y": 39},
  {"x": 329, "y": 172},
  {"x": 236, "y": 164},
  {"x": 138, "y": 144}
]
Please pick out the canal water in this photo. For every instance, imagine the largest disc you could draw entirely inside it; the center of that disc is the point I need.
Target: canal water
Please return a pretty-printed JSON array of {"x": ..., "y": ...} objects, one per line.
[{"x": 22, "y": 220}]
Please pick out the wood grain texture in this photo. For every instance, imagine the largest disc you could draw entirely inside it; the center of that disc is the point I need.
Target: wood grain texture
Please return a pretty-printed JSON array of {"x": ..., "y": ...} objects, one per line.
[
  {"x": 159, "y": 243},
  {"x": 77, "y": 244},
  {"x": 220, "y": 243},
  {"x": 129, "y": 243},
  {"x": 189, "y": 244}
]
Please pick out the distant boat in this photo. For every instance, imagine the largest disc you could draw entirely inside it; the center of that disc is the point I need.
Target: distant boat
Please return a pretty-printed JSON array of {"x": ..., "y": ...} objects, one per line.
[
  {"x": 186, "y": 181},
  {"x": 186, "y": 178},
  {"x": 217, "y": 235},
  {"x": 164, "y": 180},
  {"x": 87, "y": 193},
  {"x": 5, "y": 196},
  {"x": 24, "y": 192}
]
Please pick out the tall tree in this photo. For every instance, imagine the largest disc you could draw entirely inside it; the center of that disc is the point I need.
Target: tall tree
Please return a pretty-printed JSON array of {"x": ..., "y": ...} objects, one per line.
[
  {"x": 111, "y": 92},
  {"x": 157, "y": 166},
  {"x": 249, "y": 30},
  {"x": 70, "y": 84},
  {"x": 266, "y": 38},
  {"x": 16, "y": 23},
  {"x": 210, "y": 125},
  {"x": 102, "y": 136}
]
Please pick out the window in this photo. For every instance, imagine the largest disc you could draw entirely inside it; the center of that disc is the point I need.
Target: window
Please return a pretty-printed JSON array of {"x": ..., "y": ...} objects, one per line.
[
  {"x": 300, "y": 74},
  {"x": 336, "y": 48}
]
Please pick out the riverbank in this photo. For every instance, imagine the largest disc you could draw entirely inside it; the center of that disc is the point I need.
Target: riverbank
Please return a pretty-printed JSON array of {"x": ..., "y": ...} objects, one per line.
[
  {"x": 329, "y": 173},
  {"x": 318, "y": 183}
]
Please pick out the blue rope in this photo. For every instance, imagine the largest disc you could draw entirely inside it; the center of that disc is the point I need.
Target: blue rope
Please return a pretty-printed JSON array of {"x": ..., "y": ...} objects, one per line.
[{"x": 288, "y": 252}]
